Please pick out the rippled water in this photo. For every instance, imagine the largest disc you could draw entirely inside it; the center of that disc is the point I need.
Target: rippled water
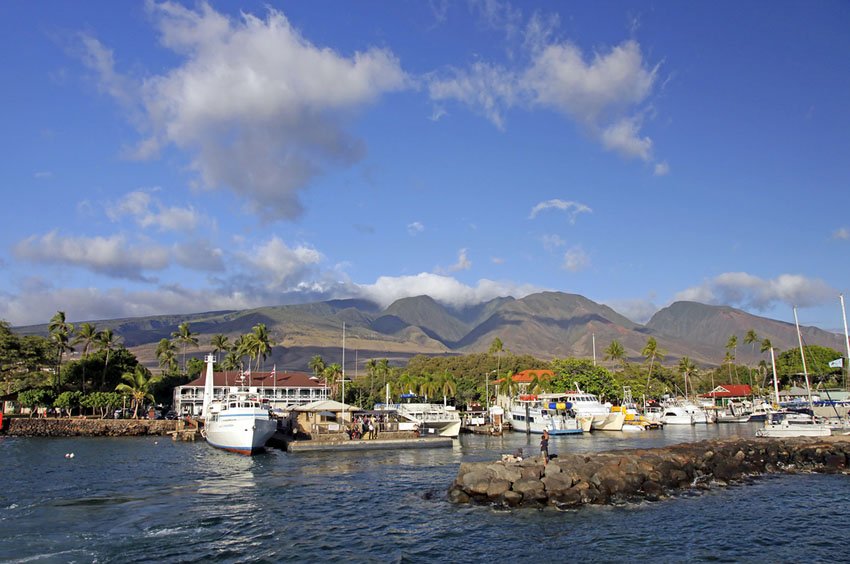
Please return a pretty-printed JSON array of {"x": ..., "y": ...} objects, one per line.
[{"x": 149, "y": 499}]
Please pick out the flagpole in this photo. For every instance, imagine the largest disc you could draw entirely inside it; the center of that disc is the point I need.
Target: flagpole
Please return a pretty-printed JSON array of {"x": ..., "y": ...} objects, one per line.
[{"x": 846, "y": 340}]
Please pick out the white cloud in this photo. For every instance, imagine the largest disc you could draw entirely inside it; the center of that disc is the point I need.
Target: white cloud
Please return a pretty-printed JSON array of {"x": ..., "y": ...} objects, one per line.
[
  {"x": 624, "y": 137},
  {"x": 260, "y": 108},
  {"x": 278, "y": 265},
  {"x": 485, "y": 88},
  {"x": 444, "y": 289},
  {"x": 741, "y": 289},
  {"x": 199, "y": 255},
  {"x": 415, "y": 227},
  {"x": 572, "y": 208},
  {"x": 111, "y": 256},
  {"x": 841, "y": 233},
  {"x": 662, "y": 169},
  {"x": 138, "y": 205},
  {"x": 463, "y": 263},
  {"x": 575, "y": 259},
  {"x": 638, "y": 310},
  {"x": 552, "y": 242}
]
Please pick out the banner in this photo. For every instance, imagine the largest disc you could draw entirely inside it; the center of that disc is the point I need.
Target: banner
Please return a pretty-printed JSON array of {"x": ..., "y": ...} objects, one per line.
[{"x": 837, "y": 363}]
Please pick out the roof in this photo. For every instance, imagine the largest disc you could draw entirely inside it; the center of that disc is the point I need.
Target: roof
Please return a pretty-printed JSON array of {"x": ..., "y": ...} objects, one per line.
[
  {"x": 260, "y": 380},
  {"x": 326, "y": 405},
  {"x": 729, "y": 391},
  {"x": 526, "y": 376}
]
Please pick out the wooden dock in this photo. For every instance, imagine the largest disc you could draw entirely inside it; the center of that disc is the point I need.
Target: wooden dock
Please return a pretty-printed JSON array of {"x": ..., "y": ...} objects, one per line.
[{"x": 186, "y": 430}]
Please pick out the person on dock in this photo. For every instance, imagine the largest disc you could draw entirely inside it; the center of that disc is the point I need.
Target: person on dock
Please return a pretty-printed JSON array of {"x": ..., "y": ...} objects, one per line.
[{"x": 544, "y": 447}]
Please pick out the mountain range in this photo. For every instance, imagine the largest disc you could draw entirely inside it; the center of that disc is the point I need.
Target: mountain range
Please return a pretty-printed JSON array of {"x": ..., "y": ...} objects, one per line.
[{"x": 545, "y": 325}]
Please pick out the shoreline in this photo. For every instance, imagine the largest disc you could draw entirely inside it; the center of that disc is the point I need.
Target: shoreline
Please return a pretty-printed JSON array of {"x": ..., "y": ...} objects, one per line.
[{"x": 81, "y": 427}]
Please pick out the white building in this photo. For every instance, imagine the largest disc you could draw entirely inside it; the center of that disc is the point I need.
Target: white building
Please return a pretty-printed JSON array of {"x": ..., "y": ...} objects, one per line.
[{"x": 284, "y": 390}]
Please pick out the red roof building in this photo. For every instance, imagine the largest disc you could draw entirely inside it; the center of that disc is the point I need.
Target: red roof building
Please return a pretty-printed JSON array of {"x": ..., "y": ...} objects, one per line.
[{"x": 729, "y": 391}]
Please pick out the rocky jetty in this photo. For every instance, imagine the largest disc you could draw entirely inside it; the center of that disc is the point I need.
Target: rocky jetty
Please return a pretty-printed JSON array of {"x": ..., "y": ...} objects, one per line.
[
  {"x": 76, "y": 427},
  {"x": 573, "y": 480}
]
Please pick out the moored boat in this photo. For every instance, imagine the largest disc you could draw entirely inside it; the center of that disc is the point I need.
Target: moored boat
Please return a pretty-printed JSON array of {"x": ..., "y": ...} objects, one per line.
[
  {"x": 546, "y": 412},
  {"x": 586, "y": 404},
  {"x": 238, "y": 422}
]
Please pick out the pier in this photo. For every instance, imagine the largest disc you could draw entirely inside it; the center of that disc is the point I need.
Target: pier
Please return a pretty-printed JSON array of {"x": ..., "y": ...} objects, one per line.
[{"x": 574, "y": 480}]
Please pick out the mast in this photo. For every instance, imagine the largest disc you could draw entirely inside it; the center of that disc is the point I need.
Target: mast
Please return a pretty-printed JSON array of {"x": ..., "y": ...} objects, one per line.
[
  {"x": 803, "y": 357},
  {"x": 594, "y": 348},
  {"x": 343, "y": 372},
  {"x": 846, "y": 340},
  {"x": 775, "y": 380},
  {"x": 208, "y": 385}
]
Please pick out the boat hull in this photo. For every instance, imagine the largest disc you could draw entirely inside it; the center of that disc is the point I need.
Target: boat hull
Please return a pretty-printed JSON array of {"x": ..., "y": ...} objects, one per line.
[
  {"x": 240, "y": 434},
  {"x": 787, "y": 431}
]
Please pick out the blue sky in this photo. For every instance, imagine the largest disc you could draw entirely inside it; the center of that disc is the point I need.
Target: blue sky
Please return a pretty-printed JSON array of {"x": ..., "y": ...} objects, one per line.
[{"x": 171, "y": 157}]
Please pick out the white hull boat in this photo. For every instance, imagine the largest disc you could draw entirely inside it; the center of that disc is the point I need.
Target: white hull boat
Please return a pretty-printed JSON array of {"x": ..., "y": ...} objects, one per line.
[
  {"x": 430, "y": 418},
  {"x": 546, "y": 412},
  {"x": 676, "y": 415},
  {"x": 239, "y": 422},
  {"x": 585, "y": 404},
  {"x": 784, "y": 425}
]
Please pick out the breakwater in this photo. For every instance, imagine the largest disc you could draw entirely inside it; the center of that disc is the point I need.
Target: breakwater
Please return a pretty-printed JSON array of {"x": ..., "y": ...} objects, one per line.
[
  {"x": 75, "y": 427},
  {"x": 573, "y": 480}
]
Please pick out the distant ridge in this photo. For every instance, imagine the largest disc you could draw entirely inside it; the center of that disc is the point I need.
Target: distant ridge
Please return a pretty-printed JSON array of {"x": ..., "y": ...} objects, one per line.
[{"x": 545, "y": 325}]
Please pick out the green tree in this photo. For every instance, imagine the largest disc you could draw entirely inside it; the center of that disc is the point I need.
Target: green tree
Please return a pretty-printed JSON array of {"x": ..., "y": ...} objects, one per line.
[
  {"x": 106, "y": 341},
  {"x": 103, "y": 401},
  {"x": 68, "y": 401},
  {"x": 166, "y": 355},
  {"x": 87, "y": 337},
  {"x": 651, "y": 352},
  {"x": 185, "y": 337},
  {"x": 572, "y": 372},
  {"x": 259, "y": 343},
  {"x": 615, "y": 352},
  {"x": 333, "y": 374},
  {"x": 317, "y": 365},
  {"x": 36, "y": 398},
  {"x": 219, "y": 343},
  {"x": 60, "y": 333},
  {"x": 447, "y": 386},
  {"x": 687, "y": 368},
  {"x": 731, "y": 353},
  {"x": 137, "y": 385}
]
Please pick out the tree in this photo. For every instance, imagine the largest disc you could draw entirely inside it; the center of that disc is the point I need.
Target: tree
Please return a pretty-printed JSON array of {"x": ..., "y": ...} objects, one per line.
[
  {"x": 651, "y": 352},
  {"x": 317, "y": 365},
  {"x": 166, "y": 354},
  {"x": 185, "y": 337},
  {"x": 35, "y": 398},
  {"x": 686, "y": 368},
  {"x": 87, "y": 337},
  {"x": 572, "y": 372},
  {"x": 731, "y": 352},
  {"x": 447, "y": 385},
  {"x": 260, "y": 345},
  {"x": 104, "y": 401},
  {"x": 333, "y": 373},
  {"x": 60, "y": 333},
  {"x": 219, "y": 343},
  {"x": 615, "y": 352},
  {"x": 68, "y": 401},
  {"x": 137, "y": 385},
  {"x": 106, "y": 341}
]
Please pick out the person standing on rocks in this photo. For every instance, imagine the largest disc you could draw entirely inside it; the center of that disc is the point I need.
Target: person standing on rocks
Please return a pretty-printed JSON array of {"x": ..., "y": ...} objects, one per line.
[{"x": 544, "y": 446}]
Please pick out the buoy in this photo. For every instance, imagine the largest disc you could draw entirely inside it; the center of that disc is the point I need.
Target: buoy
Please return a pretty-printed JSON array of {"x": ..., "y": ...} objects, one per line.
[
  {"x": 72, "y": 455},
  {"x": 156, "y": 442},
  {"x": 67, "y": 455}
]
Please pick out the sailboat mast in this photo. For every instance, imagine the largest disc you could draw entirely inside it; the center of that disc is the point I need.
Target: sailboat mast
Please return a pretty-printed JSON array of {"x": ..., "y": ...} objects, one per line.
[
  {"x": 775, "y": 379},
  {"x": 343, "y": 372},
  {"x": 846, "y": 340},
  {"x": 803, "y": 357}
]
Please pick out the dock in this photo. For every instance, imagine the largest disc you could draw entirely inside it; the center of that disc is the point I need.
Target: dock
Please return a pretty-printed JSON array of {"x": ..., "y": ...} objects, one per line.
[{"x": 186, "y": 430}]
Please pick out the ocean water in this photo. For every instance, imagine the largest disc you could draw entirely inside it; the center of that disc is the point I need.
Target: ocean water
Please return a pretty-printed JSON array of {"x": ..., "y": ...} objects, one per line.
[{"x": 154, "y": 500}]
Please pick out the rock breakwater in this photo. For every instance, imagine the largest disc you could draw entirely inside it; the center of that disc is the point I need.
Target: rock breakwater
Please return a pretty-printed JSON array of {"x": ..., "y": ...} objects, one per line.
[
  {"x": 574, "y": 480},
  {"x": 73, "y": 427}
]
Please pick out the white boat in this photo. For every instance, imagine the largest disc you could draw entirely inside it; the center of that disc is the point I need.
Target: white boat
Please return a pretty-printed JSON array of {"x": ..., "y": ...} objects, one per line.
[
  {"x": 585, "y": 404},
  {"x": 789, "y": 423},
  {"x": 676, "y": 415},
  {"x": 546, "y": 412},
  {"x": 761, "y": 411},
  {"x": 238, "y": 422},
  {"x": 735, "y": 412},
  {"x": 429, "y": 418},
  {"x": 785, "y": 424},
  {"x": 698, "y": 414}
]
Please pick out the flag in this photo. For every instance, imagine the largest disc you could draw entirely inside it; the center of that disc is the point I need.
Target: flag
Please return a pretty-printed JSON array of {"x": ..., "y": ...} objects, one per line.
[{"x": 837, "y": 363}]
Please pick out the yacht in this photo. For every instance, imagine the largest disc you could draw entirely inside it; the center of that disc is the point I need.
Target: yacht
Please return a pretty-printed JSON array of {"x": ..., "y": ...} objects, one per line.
[
  {"x": 546, "y": 412},
  {"x": 585, "y": 404},
  {"x": 784, "y": 424},
  {"x": 238, "y": 422},
  {"x": 676, "y": 415},
  {"x": 429, "y": 418}
]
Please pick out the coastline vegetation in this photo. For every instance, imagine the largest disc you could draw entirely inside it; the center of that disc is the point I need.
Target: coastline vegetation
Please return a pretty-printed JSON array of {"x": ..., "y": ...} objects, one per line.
[{"x": 42, "y": 372}]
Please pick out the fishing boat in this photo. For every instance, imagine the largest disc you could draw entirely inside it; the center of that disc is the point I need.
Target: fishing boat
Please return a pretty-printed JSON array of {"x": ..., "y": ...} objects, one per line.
[
  {"x": 237, "y": 422},
  {"x": 430, "y": 418},
  {"x": 535, "y": 413},
  {"x": 676, "y": 415}
]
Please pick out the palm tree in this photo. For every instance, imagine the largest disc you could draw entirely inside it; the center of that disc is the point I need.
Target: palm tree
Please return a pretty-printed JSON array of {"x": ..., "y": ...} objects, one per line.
[
  {"x": 232, "y": 361},
  {"x": 731, "y": 351},
  {"x": 317, "y": 365},
  {"x": 406, "y": 383},
  {"x": 384, "y": 369},
  {"x": 86, "y": 336},
  {"x": 60, "y": 334},
  {"x": 260, "y": 344},
  {"x": 333, "y": 373},
  {"x": 137, "y": 385},
  {"x": 106, "y": 340},
  {"x": 166, "y": 354},
  {"x": 185, "y": 337},
  {"x": 651, "y": 352},
  {"x": 539, "y": 383},
  {"x": 219, "y": 342},
  {"x": 427, "y": 386},
  {"x": 751, "y": 339},
  {"x": 447, "y": 385},
  {"x": 497, "y": 346},
  {"x": 687, "y": 368},
  {"x": 615, "y": 352}
]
